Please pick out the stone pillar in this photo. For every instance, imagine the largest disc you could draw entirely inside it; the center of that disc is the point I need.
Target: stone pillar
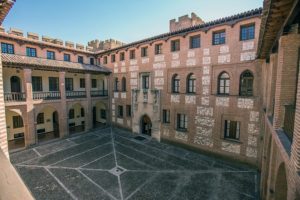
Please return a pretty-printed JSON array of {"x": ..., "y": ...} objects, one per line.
[
  {"x": 63, "y": 114},
  {"x": 271, "y": 83},
  {"x": 30, "y": 134},
  {"x": 109, "y": 87},
  {"x": 89, "y": 107}
]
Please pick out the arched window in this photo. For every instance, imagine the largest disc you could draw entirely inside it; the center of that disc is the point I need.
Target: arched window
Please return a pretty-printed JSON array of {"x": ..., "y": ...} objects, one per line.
[
  {"x": 223, "y": 83},
  {"x": 246, "y": 83},
  {"x": 191, "y": 83},
  {"x": 175, "y": 83},
  {"x": 123, "y": 84},
  {"x": 116, "y": 84}
]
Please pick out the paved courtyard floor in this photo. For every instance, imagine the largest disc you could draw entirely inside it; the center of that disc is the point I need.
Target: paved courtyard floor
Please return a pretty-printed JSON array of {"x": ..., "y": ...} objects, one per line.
[{"x": 111, "y": 164}]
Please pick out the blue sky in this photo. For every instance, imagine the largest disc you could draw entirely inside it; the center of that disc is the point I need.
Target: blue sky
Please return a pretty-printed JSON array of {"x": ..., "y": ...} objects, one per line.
[{"x": 126, "y": 20}]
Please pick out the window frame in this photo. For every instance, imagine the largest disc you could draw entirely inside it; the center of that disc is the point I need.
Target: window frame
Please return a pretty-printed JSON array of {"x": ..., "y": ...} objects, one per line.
[
  {"x": 120, "y": 111},
  {"x": 105, "y": 60},
  {"x": 192, "y": 43},
  {"x": 31, "y": 52},
  {"x": 122, "y": 56},
  {"x": 67, "y": 57},
  {"x": 220, "y": 40},
  {"x": 222, "y": 86},
  {"x": 123, "y": 84},
  {"x": 80, "y": 59},
  {"x": 92, "y": 61},
  {"x": 182, "y": 122},
  {"x": 232, "y": 130},
  {"x": 40, "y": 119},
  {"x": 246, "y": 90},
  {"x": 9, "y": 48},
  {"x": 158, "y": 49},
  {"x": 50, "y": 79},
  {"x": 191, "y": 84},
  {"x": 145, "y": 82},
  {"x": 166, "y": 116},
  {"x": 248, "y": 36},
  {"x": 113, "y": 58},
  {"x": 69, "y": 84},
  {"x": 132, "y": 54},
  {"x": 50, "y": 55},
  {"x": 175, "y": 83},
  {"x": 17, "y": 121},
  {"x": 71, "y": 114},
  {"x": 144, "y": 52},
  {"x": 94, "y": 83},
  {"x": 128, "y": 110},
  {"x": 37, "y": 83},
  {"x": 175, "y": 45},
  {"x": 82, "y": 82}
]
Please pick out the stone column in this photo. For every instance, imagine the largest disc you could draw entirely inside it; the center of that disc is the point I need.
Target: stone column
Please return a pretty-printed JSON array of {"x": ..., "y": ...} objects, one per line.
[
  {"x": 30, "y": 134},
  {"x": 89, "y": 107},
  {"x": 109, "y": 88},
  {"x": 63, "y": 113}
]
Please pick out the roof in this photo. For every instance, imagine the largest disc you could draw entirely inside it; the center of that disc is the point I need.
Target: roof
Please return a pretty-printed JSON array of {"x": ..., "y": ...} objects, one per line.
[
  {"x": 5, "y": 6},
  {"x": 46, "y": 64},
  {"x": 231, "y": 20}
]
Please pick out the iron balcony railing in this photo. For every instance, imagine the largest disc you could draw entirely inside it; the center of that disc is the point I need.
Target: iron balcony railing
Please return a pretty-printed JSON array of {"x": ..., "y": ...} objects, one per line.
[
  {"x": 46, "y": 95},
  {"x": 99, "y": 93},
  {"x": 75, "y": 94},
  {"x": 14, "y": 96},
  {"x": 289, "y": 120}
]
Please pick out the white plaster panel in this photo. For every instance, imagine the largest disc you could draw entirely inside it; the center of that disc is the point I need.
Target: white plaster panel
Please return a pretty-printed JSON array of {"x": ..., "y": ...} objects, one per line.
[
  {"x": 204, "y": 121},
  {"x": 203, "y": 131},
  {"x": 123, "y": 95},
  {"x": 205, "y": 101},
  {"x": 230, "y": 147},
  {"x": 116, "y": 70},
  {"x": 133, "y": 62},
  {"x": 116, "y": 94},
  {"x": 206, "y": 60},
  {"x": 175, "y": 56},
  {"x": 222, "y": 101},
  {"x": 133, "y": 82},
  {"x": 159, "y": 58},
  {"x": 145, "y": 60},
  {"x": 158, "y": 73},
  {"x": 175, "y": 98},
  {"x": 245, "y": 103},
  {"x": 122, "y": 64},
  {"x": 224, "y": 58},
  {"x": 133, "y": 68},
  {"x": 112, "y": 100},
  {"x": 205, "y": 111},
  {"x": 115, "y": 65},
  {"x": 133, "y": 74},
  {"x": 248, "y": 45},
  {"x": 253, "y": 129},
  {"x": 205, "y": 90},
  {"x": 123, "y": 69},
  {"x": 113, "y": 114},
  {"x": 113, "y": 107},
  {"x": 206, "y": 70},
  {"x": 254, "y": 116},
  {"x": 206, "y": 52},
  {"x": 159, "y": 65},
  {"x": 252, "y": 140},
  {"x": 120, "y": 121},
  {"x": 191, "y": 54},
  {"x": 190, "y": 99},
  {"x": 224, "y": 49},
  {"x": 205, "y": 80},
  {"x": 158, "y": 81},
  {"x": 166, "y": 132},
  {"x": 248, "y": 56},
  {"x": 204, "y": 141},
  {"x": 175, "y": 63},
  {"x": 181, "y": 136},
  {"x": 191, "y": 62},
  {"x": 251, "y": 152}
]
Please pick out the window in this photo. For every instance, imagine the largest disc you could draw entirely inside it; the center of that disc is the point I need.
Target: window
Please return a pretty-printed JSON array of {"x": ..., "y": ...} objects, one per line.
[
  {"x": 92, "y": 61},
  {"x": 175, "y": 45},
  {"x": 105, "y": 60},
  {"x": 120, "y": 111},
  {"x": 144, "y": 51},
  {"x": 116, "y": 85},
  {"x": 223, "y": 83},
  {"x": 17, "y": 122},
  {"x": 175, "y": 83},
  {"x": 103, "y": 113},
  {"x": 166, "y": 116},
  {"x": 71, "y": 113},
  {"x": 232, "y": 130},
  {"x": 82, "y": 112},
  {"x": 69, "y": 84},
  {"x": 195, "y": 42},
  {"x": 132, "y": 54},
  {"x": 51, "y": 55},
  {"x": 53, "y": 84},
  {"x": 113, "y": 58},
  {"x": 158, "y": 49},
  {"x": 145, "y": 82},
  {"x": 67, "y": 57},
  {"x": 30, "y": 52},
  {"x": 80, "y": 59},
  {"x": 246, "y": 83},
  {"x": 128, "y": 110},
  {"x": 219, "y": 37},
  {"x": 7, "y": 48},
  {"x": 94, "y": 83},
  {"x": 82, "y": 83},
  {"x": 122, "y": 56},
  {"x": 40, "y": 118},
  {"x": 191, "y": 83},
  {"x": 37, "y": 84},
  {"x": 247, "y": 32},
  {"x": 181, "y": 122},
  {"x": 123, "y": 84}
]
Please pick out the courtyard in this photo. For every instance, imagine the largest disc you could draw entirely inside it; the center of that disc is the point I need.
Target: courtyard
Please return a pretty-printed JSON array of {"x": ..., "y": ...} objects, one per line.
[{"x": 114, "y": 164}]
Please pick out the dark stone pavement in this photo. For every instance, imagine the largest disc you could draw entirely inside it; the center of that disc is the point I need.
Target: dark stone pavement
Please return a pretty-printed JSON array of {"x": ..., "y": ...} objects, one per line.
[{"x": 110, "y": 164}]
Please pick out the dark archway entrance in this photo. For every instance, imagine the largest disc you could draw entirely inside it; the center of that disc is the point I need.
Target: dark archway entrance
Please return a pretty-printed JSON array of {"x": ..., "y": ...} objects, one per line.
[
  {"x": 146, "y": 125},
  {"x": 281, "y": 184}
]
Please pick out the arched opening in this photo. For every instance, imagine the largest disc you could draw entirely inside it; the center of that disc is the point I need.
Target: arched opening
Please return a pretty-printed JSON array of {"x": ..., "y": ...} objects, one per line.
[
  {"x": 175, "y": 83},
  {"x": 246, "y": 83},
  {"x": 281, "y": 184},
  {"x": 223, "y": 83},
  {"x": 123, "y": 84},
  {"x": 99, "y": 115},
  {"x": 146, "y": 125},
  {"x": 76, "y": 119},
  {"x": 116, "y": 85},
  {"x": 191, "y": 83},
  {"x": 15, "y": 130},
  {"x": 15, "y": 84},
  {"x": 47, "y": 124}
]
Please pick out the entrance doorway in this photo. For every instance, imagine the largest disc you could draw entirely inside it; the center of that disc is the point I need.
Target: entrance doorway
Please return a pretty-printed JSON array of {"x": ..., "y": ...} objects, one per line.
[
  {"x": 146, "y": 125},
  {"x": 55, "y": 122}
]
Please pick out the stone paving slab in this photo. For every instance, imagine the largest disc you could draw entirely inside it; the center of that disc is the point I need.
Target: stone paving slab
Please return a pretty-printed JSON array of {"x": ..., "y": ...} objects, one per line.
[{"x": 111, "y": 164}]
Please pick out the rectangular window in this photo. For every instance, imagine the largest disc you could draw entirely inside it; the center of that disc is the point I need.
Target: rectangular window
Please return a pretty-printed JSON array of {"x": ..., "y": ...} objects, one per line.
[
  {"x": 105, "y": 60},
  {"x": 120, "y": 111},
  {"x": 166, "y": 116},
  {"x": 94, "y": 83},
  {"x": 40, "y": 118},
  {"x": 17, "y": 122},
  {"x": 82, "y": 112},
  {"x": 195, "y": 42},
  {"x": 219, "y": 37},
  {"x": 122, "y": 56},
  {"x": 7, "y": 48},
  {"x": 247, "y": 32},
  {"x": 92, "y": 61},
  {"x": 71, "y": 113},
  {"x": 128, "y": 110},
  {"x": 82, "y": 83},
  {"x": 175, "y": 45},
  {"x": 69, "y": 84},
  {"x": 132, "y": 54},
  {"x": 80, "y": 59},
  {"x": 37, "y": 83},
  {"x": 232, "y": 130},
  {"x": 145, "y": 82},
  {"x": 51, "y": 55},
  {"x": 30, "y": 52},
  {"x": 67, "y": 57},
  {"x": 53, "y": 84},
  {"x": 113, "y": 58},
  {"x": 182, "y": 122},
  {"x": 158, "y": 49},
  {"x": 144, "y": 52},
  {"x": 103, "y": 113}
]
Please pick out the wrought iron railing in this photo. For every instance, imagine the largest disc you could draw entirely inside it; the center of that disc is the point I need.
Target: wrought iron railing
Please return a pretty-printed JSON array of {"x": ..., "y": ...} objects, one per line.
[
  {"x": 99, "y": 93},
  {"x": 289, "y": 120},
  {"x": 75, "y": 94},
  {"x": 14, "y": 96},
  {"x": 46, "y": 95}
]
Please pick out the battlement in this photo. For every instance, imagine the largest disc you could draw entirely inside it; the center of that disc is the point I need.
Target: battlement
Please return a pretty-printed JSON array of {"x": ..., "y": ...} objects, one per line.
[
  {"x": 185, "y": 22},
  {"x": 97, "y": 45}
]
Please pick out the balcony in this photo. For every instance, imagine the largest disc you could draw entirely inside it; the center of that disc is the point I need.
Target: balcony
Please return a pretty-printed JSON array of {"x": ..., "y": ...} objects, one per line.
[
  {"x": 46, "y": 95},
  {"x": 14, "y": 96},
  {"x": 75, "y": 94},
  {"x": 289, "y": 120},
  {"x": 99, "y": 93}
]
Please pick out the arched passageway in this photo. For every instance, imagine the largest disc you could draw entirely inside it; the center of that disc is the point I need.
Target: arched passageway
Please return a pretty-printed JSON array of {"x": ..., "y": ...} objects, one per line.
[
  {"x": 15, "y": 130},
  {"x": 76, "y": 119},
  {"x": 146, "y": 125}
]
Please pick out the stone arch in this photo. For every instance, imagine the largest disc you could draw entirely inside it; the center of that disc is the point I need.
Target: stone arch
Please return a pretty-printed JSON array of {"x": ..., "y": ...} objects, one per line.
[
  {"x": 281, "y": 183},
  {"x": 100, "y": 114},
  {"x": 76, "y": 117},
  {"x": 15, "y": 129},
  {"x": 145, "y": 125}
]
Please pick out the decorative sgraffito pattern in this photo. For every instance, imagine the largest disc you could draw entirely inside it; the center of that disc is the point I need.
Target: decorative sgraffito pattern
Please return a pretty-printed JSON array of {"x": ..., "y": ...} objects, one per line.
[
  {"x": 251, "y": 152},
  {"x": 205, "y": 111},
  {"x": 248, "y": 45},
  {"x": 245, "y": 103},
  {"x": 253, "y": 129},
  {"x": 175, "y": 98},
  {"x": 159, "y": 65},
  {"x": 224, "y": 49},
  {"x": 254, "y": 116},
  {"x": 116, "y": 94},
  {"x": 159, "y": 81},
  {"x": 133, "y": 68},
  {"x": 191, "y": 54},
  {"x": 205, "y": 80},
  {"x": 224, "y": 58},
  {"x": 175, "y": 63},
  {"x": 120, "y": 121},
  {"x": 145, "y": 60},
  {"x": 113, "y": 107},
  {"x": 206, "y": 60},
  {"x": 206, "y": 70},
  {"x": 191, "y": 62},
  {"x": 204, "y": 141},
  {"x": 133, "y": 62},
  {"x": 123, "y": 95},
  {"x": 190, "y": 99},
  {"x": 246, "y": 56},
  {"x": 181, "y": 136},
  {"x": 133, "y": 74},
  {"x": 204, "y": 131},
  {"x": 158, "y": 73},
  {"x": 133, "y": 82},
  {"x": 252, "y": 141},
  {"x": 204, "y": 121},
  {"x": 116, "y": 70},
  {"x": 206, "y": 52},
  {"x": 205, "y": 90},
  {"x": 123, "y": 69},
  {"x": 175, "y": 56},
  {"x": 222, "y": 101},
  {"x": 123, "y": 64},
  {"x": 232, "y": 148},
  {"x": 112, "y": 100},
  {"x": 159, "y": 58},
  {"x": 205, "y": 101}
]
